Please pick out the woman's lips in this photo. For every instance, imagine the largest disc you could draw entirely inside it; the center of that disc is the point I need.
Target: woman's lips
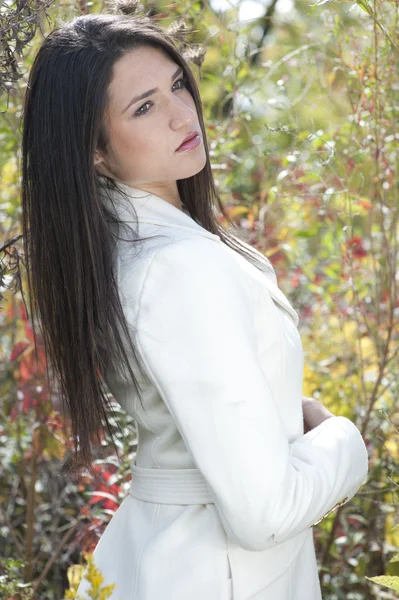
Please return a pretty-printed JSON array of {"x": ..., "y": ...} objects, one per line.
[{"x": 192, "y": 143}]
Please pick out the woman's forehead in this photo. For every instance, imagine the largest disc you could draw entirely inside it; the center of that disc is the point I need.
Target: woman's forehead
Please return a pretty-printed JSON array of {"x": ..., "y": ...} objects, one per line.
[{"x": 138, "y": 71}]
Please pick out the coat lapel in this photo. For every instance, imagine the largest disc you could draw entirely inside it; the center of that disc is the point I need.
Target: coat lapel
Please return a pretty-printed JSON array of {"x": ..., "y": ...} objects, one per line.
[{"x": 154, "y": 210}]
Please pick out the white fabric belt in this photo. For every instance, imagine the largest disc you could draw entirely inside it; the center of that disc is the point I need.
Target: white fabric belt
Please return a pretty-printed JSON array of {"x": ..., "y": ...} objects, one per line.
[{"x": 169, "y": 486}]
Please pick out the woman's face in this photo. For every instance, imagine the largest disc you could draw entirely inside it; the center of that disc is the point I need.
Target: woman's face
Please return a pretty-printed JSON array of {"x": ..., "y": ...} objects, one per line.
[{"x": 144, "y": 134}]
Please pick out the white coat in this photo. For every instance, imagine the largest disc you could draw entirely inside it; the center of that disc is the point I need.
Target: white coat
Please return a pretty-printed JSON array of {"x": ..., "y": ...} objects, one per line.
[{"x": 225, "y": 485}]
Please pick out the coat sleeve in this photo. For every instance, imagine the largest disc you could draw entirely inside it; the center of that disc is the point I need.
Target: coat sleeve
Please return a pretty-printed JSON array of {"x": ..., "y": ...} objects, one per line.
[{"x": 196, "y": 337}]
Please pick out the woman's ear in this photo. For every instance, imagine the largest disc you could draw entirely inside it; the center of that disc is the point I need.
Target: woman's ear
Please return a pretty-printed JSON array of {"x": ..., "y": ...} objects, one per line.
[
  {"x": 99, "y": 164},
  {"x": 97, "y": 158}
]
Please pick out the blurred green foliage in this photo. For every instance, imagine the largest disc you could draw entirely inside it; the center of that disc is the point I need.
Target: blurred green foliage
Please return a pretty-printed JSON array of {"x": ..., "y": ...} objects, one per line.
[{"x": 11, "y": 585}]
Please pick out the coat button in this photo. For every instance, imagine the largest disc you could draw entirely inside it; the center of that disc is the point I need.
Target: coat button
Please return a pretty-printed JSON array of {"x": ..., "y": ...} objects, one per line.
[{"x": 331, "y": 510}]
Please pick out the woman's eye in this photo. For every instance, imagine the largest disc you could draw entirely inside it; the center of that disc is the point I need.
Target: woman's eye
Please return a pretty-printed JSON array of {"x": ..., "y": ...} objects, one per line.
[{"x": 140, "y": 112}]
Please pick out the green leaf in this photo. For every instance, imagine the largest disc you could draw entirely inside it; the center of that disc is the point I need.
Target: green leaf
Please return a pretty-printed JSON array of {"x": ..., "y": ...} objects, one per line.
[
  {"x": 390, "y": 582},
  {"x": 305, "y": 233},
  {"x": 392, "y": 569}
]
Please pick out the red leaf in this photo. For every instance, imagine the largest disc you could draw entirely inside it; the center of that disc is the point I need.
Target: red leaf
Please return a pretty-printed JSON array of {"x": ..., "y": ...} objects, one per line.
[{"x": 18, "y": 349}]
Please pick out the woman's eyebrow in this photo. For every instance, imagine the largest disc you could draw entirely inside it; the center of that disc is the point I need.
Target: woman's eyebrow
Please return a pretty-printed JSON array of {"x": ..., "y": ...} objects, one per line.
[{"x": 150, "y": 92}]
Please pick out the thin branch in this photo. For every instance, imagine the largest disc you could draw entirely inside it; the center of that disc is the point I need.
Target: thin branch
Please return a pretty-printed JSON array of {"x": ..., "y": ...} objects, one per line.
[
  {"x": 11, "y": 242},
  {"x": 68, "y": 534}
]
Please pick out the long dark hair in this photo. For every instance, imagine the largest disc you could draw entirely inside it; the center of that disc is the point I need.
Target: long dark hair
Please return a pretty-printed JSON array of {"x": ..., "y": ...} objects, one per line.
[{"x": 70, "y": 238}]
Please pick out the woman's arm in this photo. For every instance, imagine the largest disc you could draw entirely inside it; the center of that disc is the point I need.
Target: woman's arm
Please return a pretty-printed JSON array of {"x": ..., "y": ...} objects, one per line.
[{"x": 197, "y": 339}]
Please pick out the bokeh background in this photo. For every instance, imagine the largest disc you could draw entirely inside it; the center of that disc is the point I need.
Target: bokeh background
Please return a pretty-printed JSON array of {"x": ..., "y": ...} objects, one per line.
[{"x": 301, "y": 103}]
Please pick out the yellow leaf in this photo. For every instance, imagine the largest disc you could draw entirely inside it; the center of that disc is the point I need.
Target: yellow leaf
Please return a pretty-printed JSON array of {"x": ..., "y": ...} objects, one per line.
[
  {"x": 309, "y": 381},
  {"x": 75, "y": 574},
  {"x": 251, "y": 219},
  {"x": 392, "y": 446},
  {"x": 283, "y": 233},
  {"x": 368, "y": 349},
  {"x": 389, "y": 581},
  {"x": 237, "y": 210},
  {"x": 333, "y": 322},
  {"x": 349, "y": 329},
  {"x": 9, "y": 172}
]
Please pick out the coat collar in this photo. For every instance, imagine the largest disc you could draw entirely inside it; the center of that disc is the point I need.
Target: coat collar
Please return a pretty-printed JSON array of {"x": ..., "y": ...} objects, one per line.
[{"x": 153, "y": 209}]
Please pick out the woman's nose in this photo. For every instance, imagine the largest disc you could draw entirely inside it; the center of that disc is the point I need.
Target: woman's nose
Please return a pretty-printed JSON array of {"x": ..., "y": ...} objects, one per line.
[{"x": 181, "y": 113}]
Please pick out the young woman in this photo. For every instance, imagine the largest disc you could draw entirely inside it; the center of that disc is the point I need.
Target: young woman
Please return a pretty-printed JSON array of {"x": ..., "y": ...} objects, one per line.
[{"x": 183, "y": 323}]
